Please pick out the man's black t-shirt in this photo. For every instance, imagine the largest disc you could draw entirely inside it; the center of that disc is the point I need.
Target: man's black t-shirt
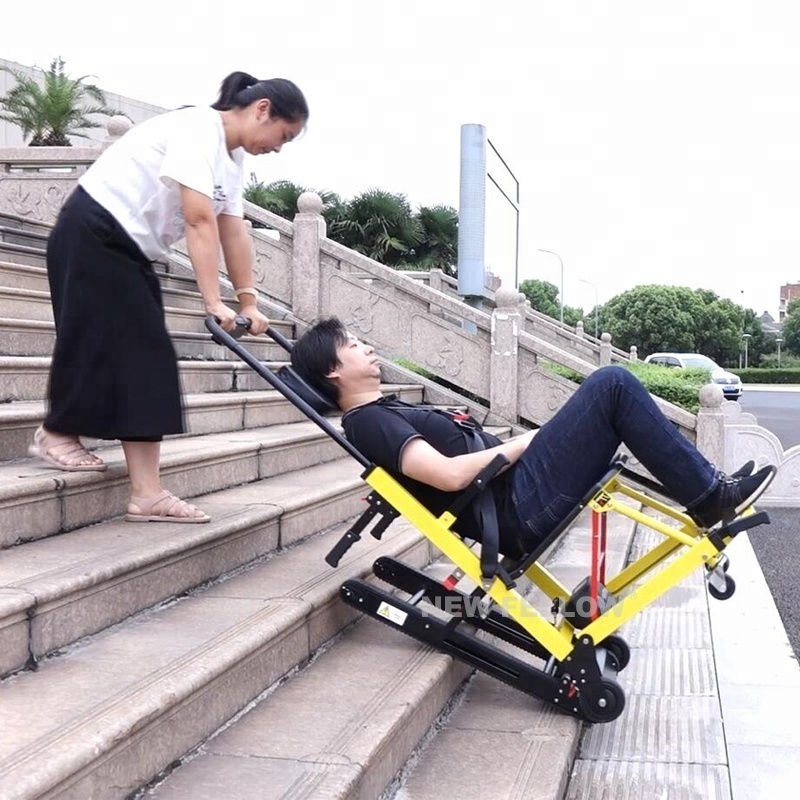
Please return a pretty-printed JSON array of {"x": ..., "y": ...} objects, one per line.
[{"x": 381, "y": 432}]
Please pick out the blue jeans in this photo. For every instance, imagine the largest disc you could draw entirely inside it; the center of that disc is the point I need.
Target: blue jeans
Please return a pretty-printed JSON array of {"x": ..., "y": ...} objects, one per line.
[{"x": 572, "y": 451}]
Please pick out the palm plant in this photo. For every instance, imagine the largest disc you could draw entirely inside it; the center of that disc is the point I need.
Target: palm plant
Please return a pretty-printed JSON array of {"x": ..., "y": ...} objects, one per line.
[
  {"x": 51, "y": 113},
  {"x": 380, "y": 225},
  {"x": 439, "y": 246},
  {"x": 376, "y": 223},
  {"x": 279, "y": 197}
]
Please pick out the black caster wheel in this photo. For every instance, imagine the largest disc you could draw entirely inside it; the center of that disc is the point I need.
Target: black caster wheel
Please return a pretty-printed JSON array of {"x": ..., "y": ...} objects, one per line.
[
  {"x": 603, "y": 702},
  {"x": 724, "y": 594},
  {"x": 618, "y": 649}
]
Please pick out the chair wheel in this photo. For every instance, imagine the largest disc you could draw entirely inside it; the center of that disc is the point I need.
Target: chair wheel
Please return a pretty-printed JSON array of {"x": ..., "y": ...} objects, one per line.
[
  {"x": 619, "y": 650},
  {"x": 603, "y": 702},
  {"x": 723, "y": 594}
]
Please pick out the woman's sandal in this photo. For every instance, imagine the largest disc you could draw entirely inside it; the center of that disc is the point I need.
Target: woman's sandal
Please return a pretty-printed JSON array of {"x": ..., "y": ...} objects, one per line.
[
  {"x": 162, "y": 507},
  {"x": 64, "y": 452}
]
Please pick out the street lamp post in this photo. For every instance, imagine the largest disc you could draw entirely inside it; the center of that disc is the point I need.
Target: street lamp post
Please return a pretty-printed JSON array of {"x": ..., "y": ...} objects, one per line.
[
  {"x": 746, "y": 337},
  {"x": 778, "y": 342},
  {"x": 561, "y": 291},
  {"x": 596, "y": 308}
]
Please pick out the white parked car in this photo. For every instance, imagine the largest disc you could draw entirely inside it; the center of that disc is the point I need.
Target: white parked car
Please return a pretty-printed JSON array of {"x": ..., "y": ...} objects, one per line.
[{"x": 730, "y": 384}]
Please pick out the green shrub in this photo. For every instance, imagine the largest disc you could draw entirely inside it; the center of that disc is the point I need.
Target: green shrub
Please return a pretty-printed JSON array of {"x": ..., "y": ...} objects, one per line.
[
  {"x": 410, "y": 365},
  {"x": 776, "y": 375},
  {"x": 678, "y": 386},
  {"x": 559, "y": 369}
]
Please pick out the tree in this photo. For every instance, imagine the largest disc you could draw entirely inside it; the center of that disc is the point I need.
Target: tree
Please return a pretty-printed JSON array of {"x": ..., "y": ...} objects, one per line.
[
  {"x": 759, "y": 342},
  {"x": 543, "y": 297},
  {"x": 50, "y": 114},
  {"x": 279, "y": 197},
  {"x": 719, "y": 326},
  {"x": 791, "y": 327},
  {"x": 438, "y": 247},
  {"x": 380, "y": 225},
  {"x": 376, "y": 223}
]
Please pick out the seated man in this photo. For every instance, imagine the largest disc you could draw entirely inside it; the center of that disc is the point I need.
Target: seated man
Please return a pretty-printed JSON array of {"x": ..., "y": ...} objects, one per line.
[{"x": 551, "y": 468}]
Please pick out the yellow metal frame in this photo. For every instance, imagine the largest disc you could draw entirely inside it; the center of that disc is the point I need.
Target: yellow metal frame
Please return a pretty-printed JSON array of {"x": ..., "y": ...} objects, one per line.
[{"x": 559, "y": 638}]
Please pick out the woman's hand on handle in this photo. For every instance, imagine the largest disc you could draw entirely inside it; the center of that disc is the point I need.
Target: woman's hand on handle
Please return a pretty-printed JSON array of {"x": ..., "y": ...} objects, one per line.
[
  {"x": 225, "y": 315},
  {"x": 258, "y": 322}
]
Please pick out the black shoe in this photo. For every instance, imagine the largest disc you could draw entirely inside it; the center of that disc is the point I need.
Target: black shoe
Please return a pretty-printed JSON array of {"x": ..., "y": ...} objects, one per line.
[
  {"x": 731, "y": 497},
  {"x": 748, "y": 468}
]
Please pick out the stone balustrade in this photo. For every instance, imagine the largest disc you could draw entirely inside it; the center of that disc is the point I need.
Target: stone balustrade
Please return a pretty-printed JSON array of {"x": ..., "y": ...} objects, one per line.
[{"x": 35, "y": 181}]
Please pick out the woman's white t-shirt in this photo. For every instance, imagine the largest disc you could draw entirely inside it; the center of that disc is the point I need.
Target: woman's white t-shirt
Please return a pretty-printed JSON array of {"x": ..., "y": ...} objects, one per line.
[{"x": 138, "y": 178}]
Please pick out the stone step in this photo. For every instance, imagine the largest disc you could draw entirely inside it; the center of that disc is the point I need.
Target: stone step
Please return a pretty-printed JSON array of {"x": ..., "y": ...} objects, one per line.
[
  {"x": 205, "y": 413},
  {"x": 21, "y": 276},
  {"x": 341, "y": 728},
  {"x": 17, "y": 235},
  {"x": 24, "y": 223},
  {"x": 22, "y": 254},
  {"x": 25, "y": 377},
  {"x": 36, "y": 501},
  {"x": 34, "y": 305},
  {"x": 22, "y": 337},
  {"x": 108, "y": 715},
  {"x": 178, "y": 291},
  {"x": 60, "y": 589}
]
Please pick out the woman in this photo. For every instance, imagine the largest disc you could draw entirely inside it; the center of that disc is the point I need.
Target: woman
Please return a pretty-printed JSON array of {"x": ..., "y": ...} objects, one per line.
[{"x": 114, "y": 371}]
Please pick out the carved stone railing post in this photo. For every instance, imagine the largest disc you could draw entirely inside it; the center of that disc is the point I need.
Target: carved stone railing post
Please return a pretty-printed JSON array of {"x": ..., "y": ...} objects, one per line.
[
  {"x": 116, "y": 127},
  {"x": 435, "y": 280},
  {"x": 634, "y": 353},
  {"x": 579, "y": 329},
  {"x": 309, "y": 231},
  {"x": 711, "y": 424},
  {"x": 507, "y": 320},
  {"x": 605, "y": 349}
]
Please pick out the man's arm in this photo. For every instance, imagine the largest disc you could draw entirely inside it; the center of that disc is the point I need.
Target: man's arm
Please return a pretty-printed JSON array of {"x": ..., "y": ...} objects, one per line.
[{"x": 423, "y": 463}]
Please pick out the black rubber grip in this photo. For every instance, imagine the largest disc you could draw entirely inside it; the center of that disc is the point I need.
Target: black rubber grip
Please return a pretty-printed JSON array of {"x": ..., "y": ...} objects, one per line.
[{"x": 341, "y": 547}]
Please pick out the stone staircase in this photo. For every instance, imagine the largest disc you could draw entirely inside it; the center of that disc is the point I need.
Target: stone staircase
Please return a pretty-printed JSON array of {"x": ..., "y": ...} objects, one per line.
[{"x": 123, "y": 648}]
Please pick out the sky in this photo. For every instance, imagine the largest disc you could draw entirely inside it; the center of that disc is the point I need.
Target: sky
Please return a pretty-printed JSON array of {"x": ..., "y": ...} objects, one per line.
[{"x": 653, "y": 142}]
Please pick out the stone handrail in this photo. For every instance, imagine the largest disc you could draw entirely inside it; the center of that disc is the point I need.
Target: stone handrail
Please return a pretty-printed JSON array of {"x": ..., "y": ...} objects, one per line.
[
  {"x": 35, "y": 181},
  {"x": 488, "y": 356},
  {"x": 561, "y": 335}
]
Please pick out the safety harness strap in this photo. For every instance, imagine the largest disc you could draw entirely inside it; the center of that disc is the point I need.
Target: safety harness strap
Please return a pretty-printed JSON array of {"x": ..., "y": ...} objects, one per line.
[{"x": 483, "y": 505}]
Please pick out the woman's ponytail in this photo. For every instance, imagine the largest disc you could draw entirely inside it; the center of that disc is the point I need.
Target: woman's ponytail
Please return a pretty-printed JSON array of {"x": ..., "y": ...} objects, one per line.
[
  {"x": 239, "y": 90},
  {"x": 230, "y": 88}
]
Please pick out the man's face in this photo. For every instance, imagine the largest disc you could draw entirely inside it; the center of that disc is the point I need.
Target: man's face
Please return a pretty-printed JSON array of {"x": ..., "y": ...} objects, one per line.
[{"x": 358, "y": 366}]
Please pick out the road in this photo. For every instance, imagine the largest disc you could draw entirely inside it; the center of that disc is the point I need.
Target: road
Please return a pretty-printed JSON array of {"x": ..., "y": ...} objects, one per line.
[
  {"x": 777, "y": 545},
  {"x": 777, "y": 410}
]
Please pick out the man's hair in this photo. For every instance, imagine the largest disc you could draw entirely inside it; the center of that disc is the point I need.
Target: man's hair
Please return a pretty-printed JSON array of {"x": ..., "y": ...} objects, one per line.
[{"x": 314, "y": 355}]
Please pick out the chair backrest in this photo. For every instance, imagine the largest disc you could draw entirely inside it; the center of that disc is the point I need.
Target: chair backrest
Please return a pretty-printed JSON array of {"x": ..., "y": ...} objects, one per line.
[{"x": 305, "y": 391}]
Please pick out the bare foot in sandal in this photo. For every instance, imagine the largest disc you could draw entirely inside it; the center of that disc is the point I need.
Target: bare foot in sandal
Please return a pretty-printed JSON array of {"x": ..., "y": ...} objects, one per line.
[
  {"x": 64, "y": 452},
  {"x": 163, "y": 507}
]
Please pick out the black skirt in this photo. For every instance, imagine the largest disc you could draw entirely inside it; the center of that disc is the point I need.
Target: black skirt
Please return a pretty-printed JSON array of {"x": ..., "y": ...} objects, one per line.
[{"x": 114, "y": 372}]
